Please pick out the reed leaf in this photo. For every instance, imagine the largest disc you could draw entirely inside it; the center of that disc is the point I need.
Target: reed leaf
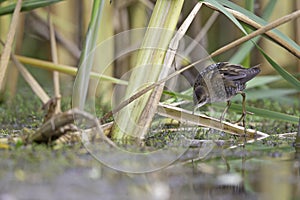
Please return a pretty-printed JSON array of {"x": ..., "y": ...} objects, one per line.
[
  {"x": 285, "y": 74},
  {"x": 267, "y": 113},
  {"x": 87, "y": 56},
  {"x": 246, "y": 48},
  {"x": 27, "y": 5},
  {"x": 282, "y": 37}
]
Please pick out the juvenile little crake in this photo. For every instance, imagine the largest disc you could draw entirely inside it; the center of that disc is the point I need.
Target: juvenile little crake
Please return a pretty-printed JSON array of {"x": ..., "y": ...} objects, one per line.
[{"x": 220, "y": 82}]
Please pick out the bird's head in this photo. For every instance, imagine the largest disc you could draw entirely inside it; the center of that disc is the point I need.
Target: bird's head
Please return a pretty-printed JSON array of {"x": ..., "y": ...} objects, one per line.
[{"x": 200, "y": 96}]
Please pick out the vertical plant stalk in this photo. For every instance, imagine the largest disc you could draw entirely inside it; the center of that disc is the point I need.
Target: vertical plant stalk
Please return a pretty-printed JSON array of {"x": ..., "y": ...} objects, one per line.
[
  {"x": 55, "y": 61},
  {"x": 87, "y": 57},
  {"x": 9, "y": 42},
  {"x": 138, "y": 19},
  {"x": 102, "y": 58},
  {"x": 151, "y": 107},
  {"x": 130, "y": 121}
]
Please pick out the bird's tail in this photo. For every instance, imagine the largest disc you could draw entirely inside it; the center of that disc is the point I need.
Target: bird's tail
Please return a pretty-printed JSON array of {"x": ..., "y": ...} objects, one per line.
[{"x": 251, "y": 73}]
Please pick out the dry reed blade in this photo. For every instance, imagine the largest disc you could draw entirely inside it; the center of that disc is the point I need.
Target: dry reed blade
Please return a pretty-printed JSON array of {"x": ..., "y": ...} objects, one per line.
[
  {"x": 37, "y": 89},
  {"x": 8, "y": 44}
]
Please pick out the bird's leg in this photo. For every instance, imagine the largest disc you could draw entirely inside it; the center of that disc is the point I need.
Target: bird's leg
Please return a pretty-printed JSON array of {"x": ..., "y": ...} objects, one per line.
[
  {"x": 244, "y": 109},
  {"x": 245, "y": 132},
  {"x": 244, "y": 117},
  {"x": 225, "y": 111}
]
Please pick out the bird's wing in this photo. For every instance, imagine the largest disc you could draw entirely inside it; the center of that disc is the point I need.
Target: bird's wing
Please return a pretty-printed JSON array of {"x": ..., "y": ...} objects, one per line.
[{"x": 232, "y": 72}]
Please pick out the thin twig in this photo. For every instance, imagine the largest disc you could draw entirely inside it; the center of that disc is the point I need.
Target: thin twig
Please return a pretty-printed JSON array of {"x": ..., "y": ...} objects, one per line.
[
  {"x": 202, "y": 33},
  {"x": 42, "y": 25},
  {"x": 54, "y": 55}
]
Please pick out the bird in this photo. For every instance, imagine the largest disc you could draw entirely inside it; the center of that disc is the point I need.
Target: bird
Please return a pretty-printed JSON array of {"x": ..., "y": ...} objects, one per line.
[{"x": 219, "y": 82}]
